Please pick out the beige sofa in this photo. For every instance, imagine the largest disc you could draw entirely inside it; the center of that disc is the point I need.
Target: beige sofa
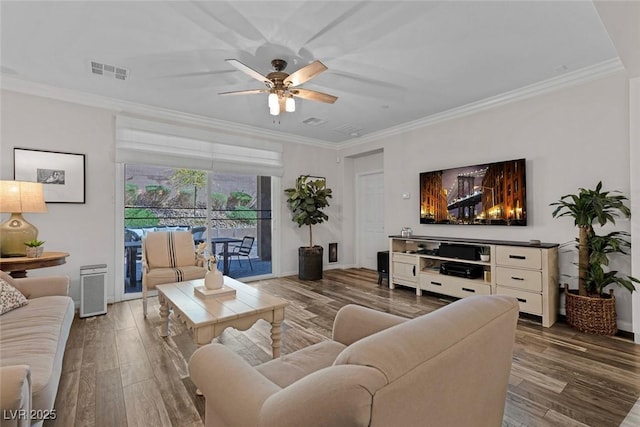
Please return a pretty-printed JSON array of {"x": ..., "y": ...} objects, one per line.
[
  {"x": 447, "y": 368},
  {"x": 32, "y": 343}
]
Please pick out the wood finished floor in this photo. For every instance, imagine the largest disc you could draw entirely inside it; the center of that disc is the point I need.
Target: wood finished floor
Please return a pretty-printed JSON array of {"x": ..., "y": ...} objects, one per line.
[{"x": 118, "y": 371}]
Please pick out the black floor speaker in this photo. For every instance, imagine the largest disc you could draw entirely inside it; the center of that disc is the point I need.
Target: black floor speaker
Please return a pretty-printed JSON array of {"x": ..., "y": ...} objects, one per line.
[{"x": 383, "y": 266}]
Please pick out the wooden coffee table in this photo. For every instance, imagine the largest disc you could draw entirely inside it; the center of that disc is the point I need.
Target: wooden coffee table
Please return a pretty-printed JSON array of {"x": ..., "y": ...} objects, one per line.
[{"x": 208, "y": 317}]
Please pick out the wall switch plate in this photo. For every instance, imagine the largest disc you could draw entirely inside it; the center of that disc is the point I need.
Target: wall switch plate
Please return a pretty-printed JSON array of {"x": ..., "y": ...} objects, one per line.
[{"x": 406, "y": 195}]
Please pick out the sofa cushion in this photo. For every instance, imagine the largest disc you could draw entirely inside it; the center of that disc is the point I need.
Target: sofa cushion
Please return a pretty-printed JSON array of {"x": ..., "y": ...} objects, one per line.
[
  {"x": 36, "y": 335},
  {"x": 289, "y": 368},
  {"x": 169, "y": 249},
  {"x": 10, "y": 297}
]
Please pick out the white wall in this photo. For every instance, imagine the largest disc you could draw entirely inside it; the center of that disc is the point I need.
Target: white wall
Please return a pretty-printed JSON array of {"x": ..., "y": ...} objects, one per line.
[
  {"x": 85, "y": 231},
  {"x": 308, "y": 160},
  {"x": 571, "y": 138}
]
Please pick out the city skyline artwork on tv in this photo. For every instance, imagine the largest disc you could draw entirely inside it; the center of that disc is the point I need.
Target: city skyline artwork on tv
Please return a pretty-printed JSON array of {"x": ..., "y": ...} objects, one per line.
[{"x": 483, "y": 194}]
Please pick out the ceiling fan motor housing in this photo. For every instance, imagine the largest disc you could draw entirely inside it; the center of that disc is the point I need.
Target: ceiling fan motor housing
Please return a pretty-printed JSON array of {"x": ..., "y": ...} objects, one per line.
[{"x": 279, "y": 64}]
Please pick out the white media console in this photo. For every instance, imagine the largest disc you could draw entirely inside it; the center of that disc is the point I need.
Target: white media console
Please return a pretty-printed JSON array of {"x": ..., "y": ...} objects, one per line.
[{"x": 452, "y": 266}]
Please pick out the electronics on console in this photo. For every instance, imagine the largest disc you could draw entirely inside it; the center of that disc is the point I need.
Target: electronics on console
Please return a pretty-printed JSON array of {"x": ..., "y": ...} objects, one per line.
[
  {"x": 448, "y": 250},
  {"x": 459, "y": 269}
]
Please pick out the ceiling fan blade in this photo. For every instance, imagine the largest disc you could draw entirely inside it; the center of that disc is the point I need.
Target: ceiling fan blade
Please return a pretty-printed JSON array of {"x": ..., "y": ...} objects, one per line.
[
  {"x": 250, "y": 71},
  {"x": 314, "y": 95},
  {"x": 305, "y": 73},
  {"x": 245, "y": 92}
]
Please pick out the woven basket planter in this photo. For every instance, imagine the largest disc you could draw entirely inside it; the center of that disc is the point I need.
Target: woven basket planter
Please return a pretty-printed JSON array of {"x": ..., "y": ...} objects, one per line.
[{"x": 591, "y": 315}]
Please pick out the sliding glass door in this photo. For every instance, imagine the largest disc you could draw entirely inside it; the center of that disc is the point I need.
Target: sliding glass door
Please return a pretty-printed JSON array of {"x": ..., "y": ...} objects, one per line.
[{"x": 222, "y": 209}]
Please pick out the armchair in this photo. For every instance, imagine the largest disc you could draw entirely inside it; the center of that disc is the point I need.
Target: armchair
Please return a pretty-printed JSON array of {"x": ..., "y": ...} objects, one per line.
[
  {"x": 449, "y": 367},
  {"x": 168, "y": 257}
]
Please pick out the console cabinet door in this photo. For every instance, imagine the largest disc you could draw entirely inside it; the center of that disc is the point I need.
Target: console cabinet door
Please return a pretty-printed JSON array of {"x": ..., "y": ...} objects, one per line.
[{"x": 404, "y": 270}]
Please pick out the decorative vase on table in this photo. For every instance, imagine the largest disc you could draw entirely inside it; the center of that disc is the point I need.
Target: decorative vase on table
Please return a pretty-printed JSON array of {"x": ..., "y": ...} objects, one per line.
[{"x": 213, "y": 277}]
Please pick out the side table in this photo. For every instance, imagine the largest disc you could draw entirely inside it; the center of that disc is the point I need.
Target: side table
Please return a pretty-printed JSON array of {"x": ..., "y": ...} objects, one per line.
[{"x": 17, "y": 266}]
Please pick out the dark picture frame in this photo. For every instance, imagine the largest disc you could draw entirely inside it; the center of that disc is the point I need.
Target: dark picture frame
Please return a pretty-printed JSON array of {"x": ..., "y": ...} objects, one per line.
[{"x": 62, "y": 174}]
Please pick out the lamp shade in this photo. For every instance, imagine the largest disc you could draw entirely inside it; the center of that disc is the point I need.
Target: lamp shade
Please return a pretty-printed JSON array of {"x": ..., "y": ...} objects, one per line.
[{"x": 21, "y": 196}]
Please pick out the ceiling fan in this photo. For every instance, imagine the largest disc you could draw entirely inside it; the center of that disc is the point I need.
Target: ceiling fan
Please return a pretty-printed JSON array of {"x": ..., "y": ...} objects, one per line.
[{"x": 283, "y": 87}]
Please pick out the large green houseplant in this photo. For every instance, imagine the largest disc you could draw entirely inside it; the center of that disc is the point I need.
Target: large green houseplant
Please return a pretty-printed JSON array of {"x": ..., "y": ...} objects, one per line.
[
  {"x": 592, "y": 310},
  {"x": 306, "y": 201}
]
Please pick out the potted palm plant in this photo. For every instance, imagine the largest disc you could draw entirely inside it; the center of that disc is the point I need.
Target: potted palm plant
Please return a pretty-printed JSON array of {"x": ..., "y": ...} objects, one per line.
[
  {"x": 592, "y": 310},
  {"x": 306, "y": 201}
]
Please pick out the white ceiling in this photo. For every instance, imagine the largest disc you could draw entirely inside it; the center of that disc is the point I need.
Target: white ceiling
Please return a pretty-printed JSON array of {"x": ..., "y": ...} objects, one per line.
[{"x": 389, "y": 62}]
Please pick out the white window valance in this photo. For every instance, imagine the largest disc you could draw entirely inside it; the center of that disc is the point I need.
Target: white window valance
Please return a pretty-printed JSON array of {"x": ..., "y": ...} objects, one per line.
[{"x": 141, "y": 141}]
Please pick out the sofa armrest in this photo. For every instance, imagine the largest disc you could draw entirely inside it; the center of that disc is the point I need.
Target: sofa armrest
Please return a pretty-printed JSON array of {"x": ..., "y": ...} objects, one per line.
[
  {"x": 234, "y": 390},
  {"x": 354, "y": 322},
  {"x": 15, "y": 395},
  {"x": 35, "y": 287}
]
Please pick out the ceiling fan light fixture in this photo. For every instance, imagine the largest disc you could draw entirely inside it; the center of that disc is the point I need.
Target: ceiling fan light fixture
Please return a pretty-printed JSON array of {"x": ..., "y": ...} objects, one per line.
[
  {"x": 290, "y": 105},
  {"x": 273, "y": 101},
  {"x": 275, "y": 110}
]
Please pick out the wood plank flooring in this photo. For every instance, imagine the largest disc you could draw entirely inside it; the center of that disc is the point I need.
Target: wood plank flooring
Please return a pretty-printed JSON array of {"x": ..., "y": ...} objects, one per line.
[{"x": 118, "y": 371}]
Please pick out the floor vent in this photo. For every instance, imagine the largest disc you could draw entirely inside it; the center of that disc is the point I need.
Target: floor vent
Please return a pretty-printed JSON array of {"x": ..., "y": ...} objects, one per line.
[{"x": 101, "y": 69}]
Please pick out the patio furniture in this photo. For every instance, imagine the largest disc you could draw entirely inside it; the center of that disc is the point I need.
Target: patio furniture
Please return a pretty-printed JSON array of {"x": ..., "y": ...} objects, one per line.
[
  {"x": 225, "y": 250},
  {"x": 244, "y": 249},
  {"x": 168, "y": 257},
  {"x": 199, "y": 233}
]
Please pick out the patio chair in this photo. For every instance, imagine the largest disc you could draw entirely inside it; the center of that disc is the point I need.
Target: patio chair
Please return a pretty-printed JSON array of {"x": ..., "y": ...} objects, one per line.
[
  {"x": 199, "y": 233},
  {"x": 242, "y": 250},
  {"x": 168, "y": 257}
]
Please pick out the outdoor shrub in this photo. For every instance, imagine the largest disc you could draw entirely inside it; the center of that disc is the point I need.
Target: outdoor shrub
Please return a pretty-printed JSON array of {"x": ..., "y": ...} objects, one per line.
[
  {"x": 239, "y": 198},
  {"x": 130, "y": 194},
  {"x": 218, "y": 201},
  {"x": 138, "y": 218},
  {"x": 243, "y": 214},
  {"x": 154, "y": 195}
]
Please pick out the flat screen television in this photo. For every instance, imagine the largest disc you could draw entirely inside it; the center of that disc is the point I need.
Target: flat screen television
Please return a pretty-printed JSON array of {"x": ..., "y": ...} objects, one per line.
[{"x": 484, "y": 194}]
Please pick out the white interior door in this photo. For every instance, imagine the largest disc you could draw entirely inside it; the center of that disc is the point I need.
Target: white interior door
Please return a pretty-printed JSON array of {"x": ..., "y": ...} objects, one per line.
[{"x": 370, "y": 214}]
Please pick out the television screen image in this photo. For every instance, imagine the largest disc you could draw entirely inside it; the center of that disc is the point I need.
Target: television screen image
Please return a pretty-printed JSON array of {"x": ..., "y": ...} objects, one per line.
[{"x": 484, "y": 194}]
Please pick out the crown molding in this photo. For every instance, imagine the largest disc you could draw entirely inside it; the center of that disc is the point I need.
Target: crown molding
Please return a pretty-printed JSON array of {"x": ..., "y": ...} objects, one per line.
[
  {"x": 577, "y": 77},
  {"x": 574, "y": 78},
  {"x": 131, "y": 108}
]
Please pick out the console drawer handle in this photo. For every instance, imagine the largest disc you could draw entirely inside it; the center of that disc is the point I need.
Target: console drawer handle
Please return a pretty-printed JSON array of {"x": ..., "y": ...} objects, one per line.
[
  {"x": 522, "y": 300},
  {"x": 468, "y": 290},
  {"x": 517, "y": 257},
  {"x": 517, "y": 278},
  {"x": 436, "y": 283}
]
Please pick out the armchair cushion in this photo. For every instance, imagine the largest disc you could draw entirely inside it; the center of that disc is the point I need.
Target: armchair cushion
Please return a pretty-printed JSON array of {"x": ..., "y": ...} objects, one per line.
[
  {"x": 289, "y": 368},
  {"x": 158, "y": 276},
  {"x": 169, "y": 249}
]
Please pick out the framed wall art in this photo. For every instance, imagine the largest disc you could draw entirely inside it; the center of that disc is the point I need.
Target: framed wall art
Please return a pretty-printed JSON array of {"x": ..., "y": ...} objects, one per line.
[{"x": 62, "y": 174}]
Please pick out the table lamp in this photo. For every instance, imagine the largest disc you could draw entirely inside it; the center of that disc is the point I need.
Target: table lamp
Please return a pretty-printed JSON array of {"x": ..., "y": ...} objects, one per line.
[{"x": 17, "y": 197}]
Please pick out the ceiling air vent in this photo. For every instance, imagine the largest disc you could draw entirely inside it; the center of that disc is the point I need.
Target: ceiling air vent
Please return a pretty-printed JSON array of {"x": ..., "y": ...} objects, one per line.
[
  {"x": 101, "y": 69},
  {"x": 350, "y": 130},
  {"x": 314, "y": 121}
]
